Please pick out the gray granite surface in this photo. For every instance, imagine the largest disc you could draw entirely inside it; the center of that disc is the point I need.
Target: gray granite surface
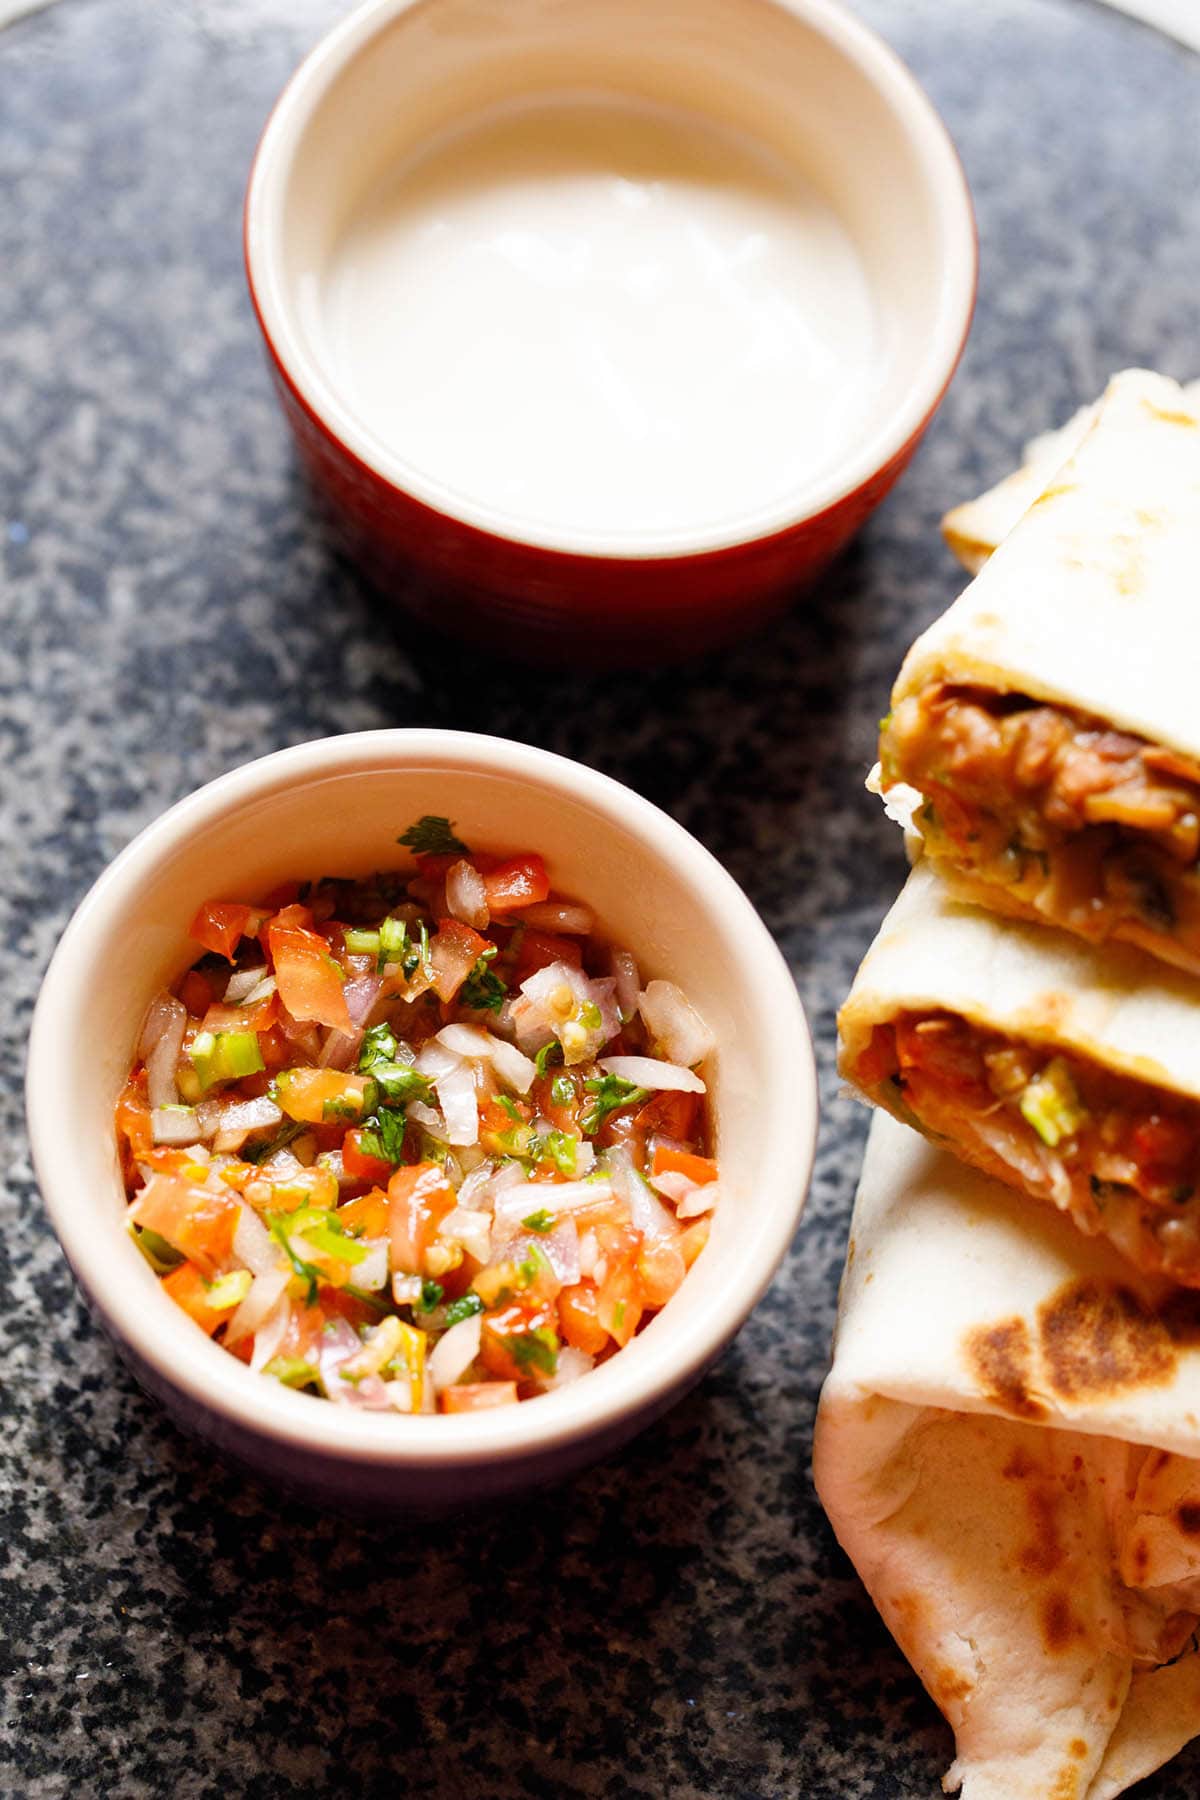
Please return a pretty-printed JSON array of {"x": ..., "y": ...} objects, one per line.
[{"x": 679, "y": 1623}]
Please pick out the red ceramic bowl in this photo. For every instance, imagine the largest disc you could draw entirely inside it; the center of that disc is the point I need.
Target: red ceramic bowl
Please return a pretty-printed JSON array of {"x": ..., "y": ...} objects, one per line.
[{"x": 603, "y": 329}]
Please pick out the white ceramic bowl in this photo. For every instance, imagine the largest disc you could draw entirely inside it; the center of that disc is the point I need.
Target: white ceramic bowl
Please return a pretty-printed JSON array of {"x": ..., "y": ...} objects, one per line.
[
  {"x": 651, "y": 386},
  {"x": 336, "y": 806}
]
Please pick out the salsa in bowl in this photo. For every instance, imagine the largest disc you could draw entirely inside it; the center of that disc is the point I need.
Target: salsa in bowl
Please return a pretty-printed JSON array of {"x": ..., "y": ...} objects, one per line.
[{"x": 336, "y": 807}]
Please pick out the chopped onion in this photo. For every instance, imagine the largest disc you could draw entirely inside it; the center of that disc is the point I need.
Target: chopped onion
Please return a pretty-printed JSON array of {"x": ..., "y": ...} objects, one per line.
[
  {"x": 339, "y": 1049},
  {"x": 703, "y": 1198},
  {"x": 360, "y": 996},
  {"x": 337, "y": 1343},
  {"x": 175, "y": 1125},
  {"x": 237, "y": 1115},
  {"x": 406, "y": 1289},
  {"x": 674, "y": 1023},
  {"x": 524, "y": 1197},
  {"x": 242, "y": 983},
  {"x": 435, "y": 1060},
  {"x": 266, "y": 1290},
  {"x": 567, "y": 916},
  {"x": 466, "y": 896},
  {"x": 562, "y": 1251},
  {"x": 399, "y": 1395},
  {"x": 470, "y": 1228},
  {"x": 648, "y": 1072},
  {"x": 163, "y": 1031},
  {"x": 628, "y": 981},
  {"x": 456, "y": 1092},
  {"x": 427, "y": 1116},
  {"x": 254, "y": 1246},
  {"x": 589, "y": 1255},
  {"x": 571, "y": 1365},
  {"x": 372, "y": 1272},
  {"x": 455, "y": 1352},
  {"x": 646, "y": 1210},
  {"x": 673, "y": 1185},
  {"x": 514, "y": 1068},
  {"x": 262, "y": 990},
  {"x": 270, "y": 1334},
  {"x": 465, "y": 1040}
]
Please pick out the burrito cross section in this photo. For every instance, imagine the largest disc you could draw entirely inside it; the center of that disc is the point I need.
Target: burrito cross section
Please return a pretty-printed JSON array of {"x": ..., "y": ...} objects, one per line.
[
  {"x": 1045, "y": 726},
  {"x": 1071, "y": 1075},
  {"x": 1008, "y": 1448}
]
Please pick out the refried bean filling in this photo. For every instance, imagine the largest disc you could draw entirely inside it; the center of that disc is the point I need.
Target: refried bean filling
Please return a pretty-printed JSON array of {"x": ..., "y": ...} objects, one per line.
[
  {"x": 1120, "y": 1156},
  {"x": 1094, "y": 828}
]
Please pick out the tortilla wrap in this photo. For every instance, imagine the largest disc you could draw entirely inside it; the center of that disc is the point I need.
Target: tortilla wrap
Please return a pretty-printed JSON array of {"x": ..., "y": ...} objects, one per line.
[
  {"x": 1114, "y": 1008},
  {"x": 973, "y": 529},
  {"x": 1008, "y": 1449}
]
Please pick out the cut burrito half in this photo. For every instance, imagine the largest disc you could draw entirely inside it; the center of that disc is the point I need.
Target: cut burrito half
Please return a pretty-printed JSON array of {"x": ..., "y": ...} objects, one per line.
[
  {"x": 1045, "y": 728},
  {"x": 974, "y": 529},
  {"x": 1071, "y": 1074},
  {"x": 1008, "y": 1448}
]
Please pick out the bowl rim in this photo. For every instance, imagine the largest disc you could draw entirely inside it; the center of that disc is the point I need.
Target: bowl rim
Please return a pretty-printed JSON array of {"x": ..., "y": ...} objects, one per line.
[
  {"x": 215, "y": 1384},
  {"x": 944, "y": 339}
]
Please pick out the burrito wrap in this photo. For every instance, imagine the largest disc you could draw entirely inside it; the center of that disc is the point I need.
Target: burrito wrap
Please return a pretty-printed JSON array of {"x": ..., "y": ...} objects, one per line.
[{"x": 1008, "y": 1448}]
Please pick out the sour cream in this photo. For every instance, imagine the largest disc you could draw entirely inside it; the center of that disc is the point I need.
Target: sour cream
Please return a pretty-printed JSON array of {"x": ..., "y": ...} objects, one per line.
[{"x": 600, "y": 316}]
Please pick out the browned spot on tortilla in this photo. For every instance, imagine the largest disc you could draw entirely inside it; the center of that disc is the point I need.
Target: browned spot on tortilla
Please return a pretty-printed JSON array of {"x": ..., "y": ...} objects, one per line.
[
  {"x": 1098, "y": 1338},
  {"x": 1044, "y": 1553},
  {"x": 1156, "y": 1462},
  {"x": 1078, "y": 1748},
  {"x": 1181, "y": 1318},
  {"x": 1170, "y": 417},
  {"x": 906, "y": 1610},
  {"x": 1019, "y": 1466},
  {"x": 1139, "y": 1552},
  {"x": 1001, "y": 1357},
  {"x": 950, "y": 1687},
  {"x": 1066, "y": 1785},
  {"x": 1189, "y": 1518},
  {"x": 1059, "y": 1624},
  {"x": 1053, "y": 493}
]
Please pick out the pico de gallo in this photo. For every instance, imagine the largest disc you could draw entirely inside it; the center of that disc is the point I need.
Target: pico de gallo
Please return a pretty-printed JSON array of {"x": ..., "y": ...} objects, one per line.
[{"x": 422, "y": 1142}]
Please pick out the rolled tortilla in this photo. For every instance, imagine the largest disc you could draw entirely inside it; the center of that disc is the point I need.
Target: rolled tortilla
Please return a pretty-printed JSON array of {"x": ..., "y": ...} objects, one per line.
[
  {"x": 1008, "y": 1448},
  {"x": 1071, "y": 1074},
  {"x": 1047, "y": 721},
  {"x": 974, "y": 529}
]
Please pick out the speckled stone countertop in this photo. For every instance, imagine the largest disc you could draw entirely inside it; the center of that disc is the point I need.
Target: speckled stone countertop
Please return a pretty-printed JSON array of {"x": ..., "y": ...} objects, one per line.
[{"x": 679, "y": 1623}]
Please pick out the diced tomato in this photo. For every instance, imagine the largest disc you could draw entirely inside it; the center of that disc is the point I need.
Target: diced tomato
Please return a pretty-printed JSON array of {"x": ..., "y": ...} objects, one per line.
[
  {"x": 453, "y": 953},
  {"x": 563, "y": 1114},
  {"x": 133, "y": 1119},
  {"x": 220, "y": 926},
  {"x": 304, "y": 1327},
  {"x": 199, "y": 1222},
  {"x": 944, "y": 1049},
  {"x": 660, "y": 1272},
  {"x": 169, "y": 1161},
  {"x": 519, "y": 1342},
  {"x": 477, "y": 1396},
  {"x": 877, "y": 1063},
  {"x": 700, "y": 1169},
  {"x": 274, "y": 1049},
  {"x": 670, "y": 1114},
  {"x": 310, "y": 981},
  {"x": 538, "y": 949},
  {"x": 579, "y": 1318},
  {"x": 619, "y": 1296},
  {"x": 694, "y": 1239},
  {"x": 198, "y": 993},
  {"x": 336, "y": 1303},
  {"x": 419, "y": 1198},
  {"x": 304, "y": 1093},
  {"x": 1163, "y": 1144},
  {"x": 259, "y": 1017},
  {"x": 522, "y": 881},
  {"x": 359, "y": 1164},
  {"x": 187, "y": 1288}
]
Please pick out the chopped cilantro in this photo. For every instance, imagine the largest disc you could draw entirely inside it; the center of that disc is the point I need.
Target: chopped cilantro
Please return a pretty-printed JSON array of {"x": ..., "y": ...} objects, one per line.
[
  {"x": 562, "y": 1091},
  {"x": 560, "y": 1148},
  {"x": 277, "y": 1224},
  {"x": 399, "y": 1083},
  {"x": 537, "y": 1349},
  {"x": 466, "y": 1308},
  {"x": 341, "y": 1112},
  {"x": 382, "y": 1135},
  {"x": 549, "y": 1053},
  {"x": 417, "y": 955},
  {"x": 609, "y": 1093},
  {"x": 541, "y": 1222},
  {"x": 535, "y": 1263},
  {"x": 431, "y": 1295},
  {"x": 162, "y": 1256},
  {"x": 293, "y": 1372},
  {"x": 483, "y": 991},
  {"x": 259, "y": 1153},
  {"x": 378, "y": 1045},
  {"x": 432, "y": 836}
]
